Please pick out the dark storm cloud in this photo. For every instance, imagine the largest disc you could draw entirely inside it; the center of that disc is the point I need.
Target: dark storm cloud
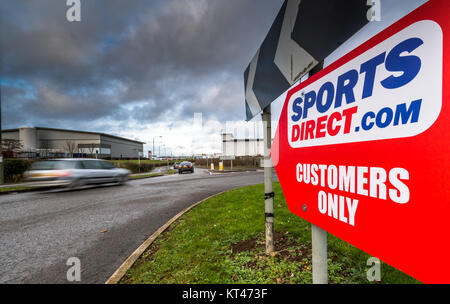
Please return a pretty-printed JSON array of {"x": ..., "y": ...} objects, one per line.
[{"x": 127, "y": 60}]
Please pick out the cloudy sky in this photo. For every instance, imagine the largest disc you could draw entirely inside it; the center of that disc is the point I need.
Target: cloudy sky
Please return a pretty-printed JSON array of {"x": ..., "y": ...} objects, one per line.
[{"x": 140, "y": 68}]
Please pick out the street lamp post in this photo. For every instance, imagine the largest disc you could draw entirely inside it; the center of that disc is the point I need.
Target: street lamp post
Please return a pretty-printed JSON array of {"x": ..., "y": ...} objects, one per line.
[
  {"x": 165, "y": 155},
  {"x": 1, "y": 142},
  {"x": 139, "y": 159},
  {"x": 153, "y": 152}
]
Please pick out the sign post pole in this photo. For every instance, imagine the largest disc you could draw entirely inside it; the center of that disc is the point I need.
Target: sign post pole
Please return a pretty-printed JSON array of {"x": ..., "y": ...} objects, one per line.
[
  {"x": 268, "y": 177},
  {"x": 319, "y": 255},
  {"x": 1, "y": 143},
  {"x": 319, "y": 236}
]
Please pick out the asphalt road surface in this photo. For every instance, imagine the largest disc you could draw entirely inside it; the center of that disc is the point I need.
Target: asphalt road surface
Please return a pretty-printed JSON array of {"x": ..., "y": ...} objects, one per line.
[{"x": 40, "y": 231}]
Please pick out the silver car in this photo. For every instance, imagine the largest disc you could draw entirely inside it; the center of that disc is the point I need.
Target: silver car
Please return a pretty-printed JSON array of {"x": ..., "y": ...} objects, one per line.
[{"x": 75, "y": 172}]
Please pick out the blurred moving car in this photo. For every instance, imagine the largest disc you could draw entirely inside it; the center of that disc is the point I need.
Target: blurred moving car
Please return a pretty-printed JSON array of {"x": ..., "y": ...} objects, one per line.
[
  {"x": 76, "y": 172},
  {"x": 185, "y": 166}
]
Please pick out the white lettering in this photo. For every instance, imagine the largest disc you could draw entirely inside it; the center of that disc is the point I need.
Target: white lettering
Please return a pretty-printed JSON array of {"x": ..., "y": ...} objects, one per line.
[
  {"x": 322, "y": 202},
  {"x": 377, "y": 183},
  {"x": 401, "y": 195},
  {"x": 332, "y": 177},
  {"x": 362, "y": 181}
]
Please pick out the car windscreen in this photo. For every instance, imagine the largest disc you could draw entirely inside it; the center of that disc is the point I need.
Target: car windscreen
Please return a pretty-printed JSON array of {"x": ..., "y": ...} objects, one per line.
[
  {"x": 55, "y": 165},
  {"x": 185, "y": 164},
  {"x": 107, "y": 165},
  {"x": 92, "y": 164}
]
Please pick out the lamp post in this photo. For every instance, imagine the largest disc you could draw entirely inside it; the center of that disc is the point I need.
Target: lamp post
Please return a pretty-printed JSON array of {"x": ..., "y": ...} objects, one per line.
[
  {"x": 1, "y": 142},
  {"x": 153, "y": 152},
  {"x": 139, "y": 159},
  {"x": 165, "y": 156}
]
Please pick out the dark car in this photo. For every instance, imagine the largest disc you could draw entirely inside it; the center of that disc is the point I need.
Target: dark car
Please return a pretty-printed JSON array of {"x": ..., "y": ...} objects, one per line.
[{"x": 185, "y": 166}]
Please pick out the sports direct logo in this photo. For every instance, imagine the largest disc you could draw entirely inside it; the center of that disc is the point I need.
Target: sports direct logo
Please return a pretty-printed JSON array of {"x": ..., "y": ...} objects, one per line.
[{"x": 393, "y": 90}]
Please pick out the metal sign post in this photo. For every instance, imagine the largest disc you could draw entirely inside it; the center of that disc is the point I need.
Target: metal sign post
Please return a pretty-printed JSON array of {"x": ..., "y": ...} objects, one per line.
[
  {"x": 223, "y": 158},
  {"x": 319, "y": 237},
  {"x": 2, "y": 180},
  {"x": 319, "y": 255},
  {"x": 268, "y": 178}
]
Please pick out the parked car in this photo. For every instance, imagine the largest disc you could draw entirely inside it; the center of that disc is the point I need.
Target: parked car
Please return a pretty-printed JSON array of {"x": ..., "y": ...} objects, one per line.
[
  {"x": 74, "y": 173},
  {"x": 185, "y": 166}
]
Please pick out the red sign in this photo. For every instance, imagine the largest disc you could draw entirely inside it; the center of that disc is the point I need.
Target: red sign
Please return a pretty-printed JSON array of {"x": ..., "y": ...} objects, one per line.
[{"x": 362, "y": 148}]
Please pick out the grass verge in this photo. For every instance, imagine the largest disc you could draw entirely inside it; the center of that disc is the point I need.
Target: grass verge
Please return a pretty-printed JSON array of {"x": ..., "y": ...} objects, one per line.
[
  {"x": 141, "y": 176},
  {"x": 228, "y": 168},
  {"x": 142, "y": 161},
  {"x": 13, "y": 189},
  {"x": 222, "y": 241}
]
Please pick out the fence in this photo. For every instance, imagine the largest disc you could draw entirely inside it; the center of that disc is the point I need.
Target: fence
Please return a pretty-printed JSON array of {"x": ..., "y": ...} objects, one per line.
[{"x": 239, "y": 161}]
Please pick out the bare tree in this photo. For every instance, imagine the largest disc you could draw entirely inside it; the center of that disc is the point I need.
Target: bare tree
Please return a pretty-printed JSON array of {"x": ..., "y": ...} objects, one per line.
[
  {"x": 10, "y": 146},
  {"x": 71, "y": 147}
]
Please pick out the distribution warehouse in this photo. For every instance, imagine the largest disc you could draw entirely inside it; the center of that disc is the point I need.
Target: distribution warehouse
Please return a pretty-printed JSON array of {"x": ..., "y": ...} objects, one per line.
[{"x": 48, "y": 142}]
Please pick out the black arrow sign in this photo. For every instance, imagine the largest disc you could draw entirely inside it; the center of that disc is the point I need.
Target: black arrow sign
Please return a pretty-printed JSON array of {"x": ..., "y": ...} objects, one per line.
[{"x": 304, "y": 33}]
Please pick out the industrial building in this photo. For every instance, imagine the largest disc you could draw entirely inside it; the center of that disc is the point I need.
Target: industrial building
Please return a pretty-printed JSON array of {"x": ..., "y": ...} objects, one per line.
[
  {"x": 48, "y": 142},
  {"x": 241, "y": 147}
]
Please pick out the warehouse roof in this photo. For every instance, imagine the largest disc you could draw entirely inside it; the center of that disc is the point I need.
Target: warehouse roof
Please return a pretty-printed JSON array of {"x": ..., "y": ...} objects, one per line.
[{"x": 76, "y": 131}]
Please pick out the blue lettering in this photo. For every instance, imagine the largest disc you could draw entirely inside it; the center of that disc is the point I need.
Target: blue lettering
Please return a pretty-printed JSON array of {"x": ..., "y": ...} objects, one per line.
[
  {"x": 310, "y": 100},
  {"x": 413, "y": 112},
  {"x": 409, "y": 65},
  {"x": 297, "y": 108},
  {"x": 345, "y": 86},
  {"x": 329, "y": 88},
  {"x": 370, "y": 68},
  {"x": 364, "y": 125},
  {"x": 389, "y": 116}
]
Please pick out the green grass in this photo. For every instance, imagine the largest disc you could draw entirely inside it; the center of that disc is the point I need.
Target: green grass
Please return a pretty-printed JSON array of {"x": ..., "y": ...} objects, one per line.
[
  {"x": 222, "y": 241},
  {"x": 141, "y": 176},
  {"x": 12, "y": 189},
  {"x": 133, "y": 177},
  {"x": 143, "y": 161}
]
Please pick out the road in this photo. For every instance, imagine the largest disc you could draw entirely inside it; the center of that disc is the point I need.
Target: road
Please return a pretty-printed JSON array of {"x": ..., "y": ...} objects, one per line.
[{"x": 101, "y": 226}]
